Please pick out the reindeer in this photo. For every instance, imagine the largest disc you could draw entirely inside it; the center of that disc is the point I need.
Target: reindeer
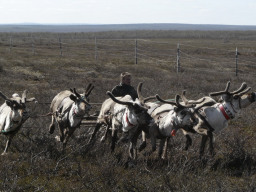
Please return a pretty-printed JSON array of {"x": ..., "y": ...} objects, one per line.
[
  {"x": 123, "y": 114},
  {"x": 68, "y": 109},
  {"x": 13, "y": 115},
  {"x": 215, "y": 118},
  {"x": 167, "y": 119}
]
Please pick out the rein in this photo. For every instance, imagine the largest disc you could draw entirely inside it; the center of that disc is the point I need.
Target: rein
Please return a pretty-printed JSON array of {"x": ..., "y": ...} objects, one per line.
[{"x": 203, "y": 117}]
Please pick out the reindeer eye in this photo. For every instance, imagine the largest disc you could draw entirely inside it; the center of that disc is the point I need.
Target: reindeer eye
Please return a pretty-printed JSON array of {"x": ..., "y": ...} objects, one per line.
[{"x": 236, "y": 97}]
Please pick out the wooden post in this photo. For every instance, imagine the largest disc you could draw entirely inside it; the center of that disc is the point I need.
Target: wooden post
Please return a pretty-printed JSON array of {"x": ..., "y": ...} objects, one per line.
[
  {"x": 33, "y": 47},
  {"x": 40, "y": 40},
  {"x": 96, "y": 54},
  {"x": 236, "y": 61},
  {"x": 136, "y": 47},
  {"x": 60, "y": 46},
  {"x": 178, "y": 58},
  {"x": 10, "y": 47}
]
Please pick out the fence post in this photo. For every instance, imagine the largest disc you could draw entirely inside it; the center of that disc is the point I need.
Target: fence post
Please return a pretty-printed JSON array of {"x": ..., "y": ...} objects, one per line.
[
  {"x": 136, "y": 47},
  {"x": 33, "y": 47},
  {"x": 95, "y": 44},
  {"x": 178, "y": 58},
  {"x": 60, "y": 46},
  {"x": 10, "y": 47},
  {"x": 236, "y": 61}
]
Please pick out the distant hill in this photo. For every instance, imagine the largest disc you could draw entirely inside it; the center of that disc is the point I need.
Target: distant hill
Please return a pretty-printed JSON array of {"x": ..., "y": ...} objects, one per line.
[{"x": 121, "y": 27}]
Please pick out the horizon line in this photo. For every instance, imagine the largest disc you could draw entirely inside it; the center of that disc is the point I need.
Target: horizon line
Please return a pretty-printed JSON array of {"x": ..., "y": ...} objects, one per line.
[{"x": 28, "y": 23}]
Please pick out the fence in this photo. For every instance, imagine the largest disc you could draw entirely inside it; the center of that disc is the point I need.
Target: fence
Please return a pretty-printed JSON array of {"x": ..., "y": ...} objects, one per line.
[{"x": 236, "y": 58}]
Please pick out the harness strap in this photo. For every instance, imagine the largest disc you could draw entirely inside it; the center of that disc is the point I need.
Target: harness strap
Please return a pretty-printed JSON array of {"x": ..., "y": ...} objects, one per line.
[
  {"x": 226, "y": 113},
  {"x": 204, "y": 120}
]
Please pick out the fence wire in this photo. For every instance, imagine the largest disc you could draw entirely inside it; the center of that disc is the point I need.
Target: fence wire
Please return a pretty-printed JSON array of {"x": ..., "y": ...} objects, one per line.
[{"x": 190, "y": 56}]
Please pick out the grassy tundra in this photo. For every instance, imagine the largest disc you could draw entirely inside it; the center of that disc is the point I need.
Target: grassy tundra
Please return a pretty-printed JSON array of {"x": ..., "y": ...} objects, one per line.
[{"x": 35, "y": 62}]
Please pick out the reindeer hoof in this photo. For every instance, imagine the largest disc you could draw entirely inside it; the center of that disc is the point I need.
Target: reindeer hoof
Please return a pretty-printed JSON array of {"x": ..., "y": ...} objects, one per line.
[
  {"x": 51, "y": 129},
  {"x": 163, "y": 158},
  {"x": 4, "y": 153},
  {"x": 57, "y": 138}
]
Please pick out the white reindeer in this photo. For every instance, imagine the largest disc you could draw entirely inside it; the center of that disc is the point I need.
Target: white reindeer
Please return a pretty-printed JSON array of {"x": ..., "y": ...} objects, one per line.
[
  {"x": 167, "y": 119},
  {"x": 68, "y": 109},
  {"x": 12, "y": 115},
  {"x": 122, "y": 114},
  {"x": 216, "y": 117}
]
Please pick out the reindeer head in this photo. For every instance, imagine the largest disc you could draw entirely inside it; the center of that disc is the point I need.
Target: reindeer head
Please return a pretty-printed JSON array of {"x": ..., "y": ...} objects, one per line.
[
  {"x": 82, "y": 105},
  {"x": 234, "y": 98},
  {"x": 181, "y": 115},
  {"x": 18, "y": 106},
  {"x": 16, "y": 102}
]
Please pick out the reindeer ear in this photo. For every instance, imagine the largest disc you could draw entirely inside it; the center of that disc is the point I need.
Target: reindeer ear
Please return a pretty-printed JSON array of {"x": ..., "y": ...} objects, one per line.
[
  {"x": 175, "y": 109},
  {"x": 72, "y": 97}
]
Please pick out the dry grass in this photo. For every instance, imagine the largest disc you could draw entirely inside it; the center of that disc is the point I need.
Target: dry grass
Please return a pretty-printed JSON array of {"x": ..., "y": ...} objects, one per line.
[{"x": 35, "y": 162}]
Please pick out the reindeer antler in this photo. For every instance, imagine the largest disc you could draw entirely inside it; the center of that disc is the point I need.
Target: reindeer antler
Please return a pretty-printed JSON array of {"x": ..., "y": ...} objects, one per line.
[
  {"x": 118, "y": 101},
  {"x": 242, "y": 87},
  {"x": 3, "y": 96},
  {"x": 243, "y": 92},
  {"x": 221, "y": 92},
  {"x": 89, "y": 89},
  {"x": 186, "y": 101},
  {"x": 77, "y": 94},
  {"x": 141, "y": 98},
  {"x": 24, "y": 96},
  {"x": 176, "y": 103}
]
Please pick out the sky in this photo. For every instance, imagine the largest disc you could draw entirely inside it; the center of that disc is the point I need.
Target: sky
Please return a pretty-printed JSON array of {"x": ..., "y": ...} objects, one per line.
[{"x": 226, "y": 12}]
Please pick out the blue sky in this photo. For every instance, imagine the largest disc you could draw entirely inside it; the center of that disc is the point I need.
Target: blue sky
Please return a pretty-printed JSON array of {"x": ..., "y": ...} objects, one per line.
[{"x": 230, "y": 12}]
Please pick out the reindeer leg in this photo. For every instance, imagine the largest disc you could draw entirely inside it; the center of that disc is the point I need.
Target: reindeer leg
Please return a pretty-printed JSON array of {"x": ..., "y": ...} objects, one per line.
[
  {"x": 211, "y": 149},
  {"x": 132, "y": 149},
  {"x": 203, "y": 142},
  {"x": 62, "y": 135},
  {"x": 164, "y": 156},
  {"x": 97, "y": 127},
  {"x": 144, "y": 142},
  {"x": 114, "y": 139},
  {"x": 153, "y": 132},
  {"x": 52, "y": 126},
  {"x": 103, "y": 138},
  {"x": 67, "y": 135},
  {"x": 188, "y": 140},
  {"x": 133, "y": 143},
  {"x": 161, "y": 146},
  {"x": 8, "y": 143}
]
